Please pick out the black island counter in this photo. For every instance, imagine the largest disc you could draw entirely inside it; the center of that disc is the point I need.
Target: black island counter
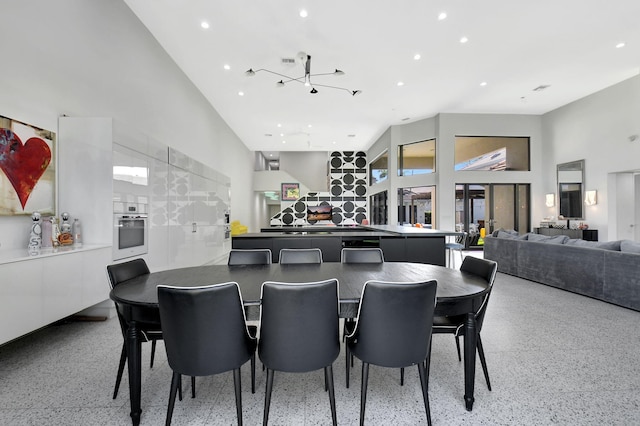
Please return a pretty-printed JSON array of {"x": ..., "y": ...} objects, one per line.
[{"x": 398, "y": 243}]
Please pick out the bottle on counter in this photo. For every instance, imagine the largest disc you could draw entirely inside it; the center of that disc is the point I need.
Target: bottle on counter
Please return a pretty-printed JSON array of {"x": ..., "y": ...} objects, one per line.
[{"x": 77, "y": 232}]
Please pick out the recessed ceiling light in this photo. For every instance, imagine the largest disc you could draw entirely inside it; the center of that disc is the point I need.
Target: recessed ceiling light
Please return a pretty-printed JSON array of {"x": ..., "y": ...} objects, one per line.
[
  {"x": 400, "y": 83},
  {"x": 484, "y": 83},
  {"x": 284, "y": 141},
  {"x": 204, "y": 24},
  {"x": 279, "y": 125},
  {"x": 619, "y": 45},
  {"x": 281, "y": 134},
  {"x": 417, "y": 56},
  {"x": 227, "y": 67},
  {"x": 442, "y": 16},
  {"x": 334, "y": 142},
  {"x": 464, "y": 39},
  {"x": 309, "y": 126},
  {"x": 303, "y": 13},
  {"x": 240, "y": 93}
]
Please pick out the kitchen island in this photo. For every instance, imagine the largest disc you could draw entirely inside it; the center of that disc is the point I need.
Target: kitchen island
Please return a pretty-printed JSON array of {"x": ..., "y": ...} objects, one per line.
[{"x": 398, "y": 243}]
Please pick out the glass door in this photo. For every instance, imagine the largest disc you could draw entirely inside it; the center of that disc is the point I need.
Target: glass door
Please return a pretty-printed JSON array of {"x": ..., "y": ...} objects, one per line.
[{"x": 483, "y": 208}]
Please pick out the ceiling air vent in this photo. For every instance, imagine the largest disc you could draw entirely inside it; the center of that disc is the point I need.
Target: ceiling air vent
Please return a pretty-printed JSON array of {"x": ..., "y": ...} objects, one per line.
[
  {"x": 289, "y": 61},
  {"x": 541, "y": 88}
]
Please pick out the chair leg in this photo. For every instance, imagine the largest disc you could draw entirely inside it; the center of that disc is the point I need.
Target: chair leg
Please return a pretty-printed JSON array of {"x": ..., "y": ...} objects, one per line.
[
  {"x": 237, "y": 384},
  {"x": 180, "y": 387},
  {"x": 267, "y": 397},
  {"x": 328, "y": 374},
  {"x": 347, "y": 359},
  {"x": 402, "y": 376},
  {"x": 175, "y": 384},
  {"x": 458, "y": 347},
  {"x": 153, "y": 352},
  {"x": 424, "y": 382},
  {"x": 123, "y": 360},
  {"x": 483, "y": 361},
  {"x": 363, "y": 391},
  {"x": 193, "y": 387},
  {"x": 253, "y": 373}
]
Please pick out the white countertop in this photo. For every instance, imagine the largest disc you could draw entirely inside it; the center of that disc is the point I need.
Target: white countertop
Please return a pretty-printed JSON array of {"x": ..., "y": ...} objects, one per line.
[{"x": 19, "y": 255}]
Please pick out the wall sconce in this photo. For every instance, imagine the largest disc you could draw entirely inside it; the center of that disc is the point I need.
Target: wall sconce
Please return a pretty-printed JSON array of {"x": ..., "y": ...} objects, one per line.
[
  {"x": 550, "y": 200},
  {"x": 591, "y": 198}
]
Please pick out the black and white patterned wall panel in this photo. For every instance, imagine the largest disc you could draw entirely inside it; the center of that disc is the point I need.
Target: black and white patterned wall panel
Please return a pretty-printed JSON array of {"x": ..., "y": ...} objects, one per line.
[{"x": 347, "y": 194}]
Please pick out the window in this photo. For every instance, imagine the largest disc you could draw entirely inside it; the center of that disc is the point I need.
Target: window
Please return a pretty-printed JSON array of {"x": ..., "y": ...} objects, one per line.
[
  {"x": 417, "y": 158},
  {"x": 379, "y": 169},
  {"x": 491, "y": 153},
  {"x": 378, "y": 203},
  {"x": 416, "y": 205}
]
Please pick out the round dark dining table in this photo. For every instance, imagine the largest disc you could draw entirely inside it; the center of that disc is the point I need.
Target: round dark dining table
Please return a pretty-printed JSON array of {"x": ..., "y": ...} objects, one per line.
[{"x": 137, "y": 299}]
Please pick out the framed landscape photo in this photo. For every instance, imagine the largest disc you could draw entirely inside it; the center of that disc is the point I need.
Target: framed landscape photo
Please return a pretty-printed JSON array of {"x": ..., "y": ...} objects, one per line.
[
  {"x": 27, "y": 169},
  {"x": 290, "y": 191}
]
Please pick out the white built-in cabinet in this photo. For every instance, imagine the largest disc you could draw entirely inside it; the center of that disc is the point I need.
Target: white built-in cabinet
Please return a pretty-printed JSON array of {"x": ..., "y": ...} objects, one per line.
[
  {"x": 39, "y": 290},
  {"x": 187, "y": 203}
]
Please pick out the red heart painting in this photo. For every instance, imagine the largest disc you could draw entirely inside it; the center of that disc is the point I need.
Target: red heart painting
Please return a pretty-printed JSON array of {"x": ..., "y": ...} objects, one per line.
[{"x": 23, "y": 164}]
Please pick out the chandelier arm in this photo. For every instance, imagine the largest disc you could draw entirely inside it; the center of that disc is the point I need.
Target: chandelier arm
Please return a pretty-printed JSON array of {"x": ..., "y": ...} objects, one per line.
[
  {"x": 276, "y": 73},
  {"x": 324, "y": 73},
  {"x": 334, "y": 87}
]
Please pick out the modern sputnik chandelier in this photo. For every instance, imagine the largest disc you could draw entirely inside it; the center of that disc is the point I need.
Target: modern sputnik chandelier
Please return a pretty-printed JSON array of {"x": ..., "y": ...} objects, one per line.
[{"x": 306, "y": 78}]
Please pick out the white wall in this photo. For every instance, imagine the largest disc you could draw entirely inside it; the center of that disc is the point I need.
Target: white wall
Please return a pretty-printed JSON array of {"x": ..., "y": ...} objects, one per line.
[
  {"x": 597, "y": 129},
  {"x": 95, "y": 58},
  {"x": 309, "y": 168}
]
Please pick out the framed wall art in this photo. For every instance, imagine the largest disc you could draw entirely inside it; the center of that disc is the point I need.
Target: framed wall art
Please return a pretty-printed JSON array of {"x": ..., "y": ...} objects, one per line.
[
  {"x": 27, "y": 169},
  {"x": 290, "y": 191}
]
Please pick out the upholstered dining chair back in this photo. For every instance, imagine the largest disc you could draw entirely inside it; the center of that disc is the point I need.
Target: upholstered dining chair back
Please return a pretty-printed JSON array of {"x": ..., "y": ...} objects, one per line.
[
  {"x": 362, "y": 255},
  {"x": 393, "y": 328},
  {"x": 299, "y": 325},
  {"x": 486, "y": 269},
  {"x": 299, "y": 332},
  {"x": 205, "y": 333},
  {"x": 293, "y": 256},
  {"x": 204, "y": 328},
  {"x": 124, "y": 271},
  {"x": 249, "y": 257},
  {"x": 119, "y": 273}
]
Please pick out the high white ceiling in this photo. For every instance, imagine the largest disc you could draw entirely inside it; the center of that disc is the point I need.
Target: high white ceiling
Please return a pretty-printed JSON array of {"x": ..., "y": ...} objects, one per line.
[{"x": 513, "y": 46}]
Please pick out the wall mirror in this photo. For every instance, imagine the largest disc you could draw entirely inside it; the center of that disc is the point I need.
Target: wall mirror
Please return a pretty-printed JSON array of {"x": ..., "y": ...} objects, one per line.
[{"x": 571, "y": 189}]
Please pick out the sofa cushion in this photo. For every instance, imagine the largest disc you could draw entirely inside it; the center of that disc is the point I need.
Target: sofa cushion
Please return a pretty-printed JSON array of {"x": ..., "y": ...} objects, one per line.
[
  {"x": 605, "y": 245},
  {"x": 557, "y": 239},
  {"x": 629, "y": 246},
  {"x": 503, "y": 231},
  {"x": 537, "y": 237},
  {"x": 505, "y": 234}
]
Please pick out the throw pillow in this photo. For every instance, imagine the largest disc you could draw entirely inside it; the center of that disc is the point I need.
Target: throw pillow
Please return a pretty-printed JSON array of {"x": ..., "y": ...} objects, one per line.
[
  {"x": 538, "y": 238},
  {"x": 504, "y": 234},
  {"x": 629, "y": 246},
  {"x": 558, "y": 239}
]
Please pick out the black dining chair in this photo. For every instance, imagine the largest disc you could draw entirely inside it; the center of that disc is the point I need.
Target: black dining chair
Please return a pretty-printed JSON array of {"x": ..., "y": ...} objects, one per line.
[
  {"x": 362, "y": 255},
  {"x": 369, "y": 255},
  {"x": 393, "y": 329},
  {"x": 117, "y": 274},
  {"x": 299, "y": 332},
  {"x": 294, "y": 256},
  {"x": 483, "y": 268},
  {"x": 249, "y": 257},
  {"x": 205, "y": 333},
  {"x": 458, "y": 244}
]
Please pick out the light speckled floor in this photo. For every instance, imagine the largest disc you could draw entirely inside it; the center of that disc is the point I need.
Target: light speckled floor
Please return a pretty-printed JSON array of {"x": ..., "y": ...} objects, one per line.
[{"x": 555, "y": 358}]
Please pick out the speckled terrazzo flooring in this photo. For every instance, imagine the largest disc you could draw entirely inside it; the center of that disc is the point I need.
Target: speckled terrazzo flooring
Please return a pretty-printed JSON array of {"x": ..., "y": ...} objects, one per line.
[{"x": 555, "y": 358}]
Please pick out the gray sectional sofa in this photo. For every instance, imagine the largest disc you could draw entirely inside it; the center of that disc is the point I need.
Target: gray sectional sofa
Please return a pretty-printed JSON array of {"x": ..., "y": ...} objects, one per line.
[{"x": 609, "y": 271}]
